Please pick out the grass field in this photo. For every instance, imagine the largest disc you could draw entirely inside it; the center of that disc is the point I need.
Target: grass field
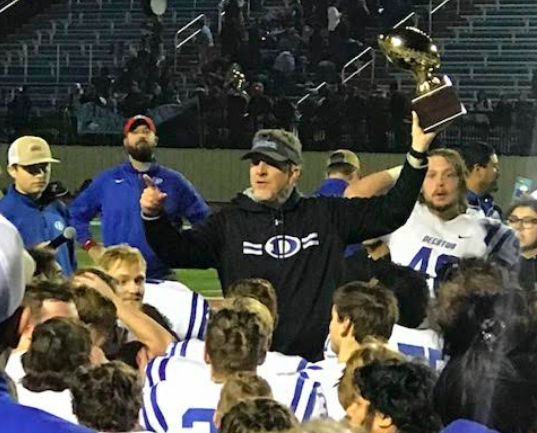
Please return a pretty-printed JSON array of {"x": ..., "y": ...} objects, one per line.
[{"x": 200, "y": 280}]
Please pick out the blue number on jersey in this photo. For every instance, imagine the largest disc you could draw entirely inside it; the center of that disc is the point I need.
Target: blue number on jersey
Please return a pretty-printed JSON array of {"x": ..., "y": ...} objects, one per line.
[
  {"x": 433, "y": 355},
  {"x": 420, "y": 262},
  {"x": 194, "y": 415}
]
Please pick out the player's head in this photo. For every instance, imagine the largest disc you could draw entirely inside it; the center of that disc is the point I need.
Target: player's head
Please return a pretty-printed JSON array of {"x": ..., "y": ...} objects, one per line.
[
  {"x": 98, "y": 313},
  {"x": 324, "y": 425},
  {"x": 29, "y": 164},
  {"x": 444, "y": 188},
  {"x": 44, "y": 300},
  {"x": 258, "y": 415},
  {"x": 236, "y": 340},
  {"x": 161, "y": 319},
  {"x": 128, "y": 267},
  {"x": 107, "y": 398},
  {"x": 360, "y": 310},
  {"x": 522, "y": 218},
  {"x": 241, "y": 386},
  {"x": 410, "y": 289},
  {"x": 256, "y": 288},
  {"x": 46, "y": 266},
  {"x": 394, "y": 397},
  {"x": 343, "y": 164},
  {"x": 59, "y": 346},
  {"x": 370, "y": 350},
  {"x": 483, "y": 167},
  {"x": 140, "y": 138},
  {"x": 493, "y": 380},
  {"x": 275, "y": 165}
]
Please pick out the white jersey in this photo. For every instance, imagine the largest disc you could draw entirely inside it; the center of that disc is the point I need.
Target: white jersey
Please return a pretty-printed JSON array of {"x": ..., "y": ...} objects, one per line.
[
  {"x": 328, "y": 373},
  {"x": 55, "y": 403},
  {"x": 186, "y": 310},
  {"x": 14, "y": 368},
  {"x": 185, "y": 398},
  {"x": 426, "y": 243},
  {"x": 275, "y": 362},
  {"x": 328, "y": 352},
  {"x": 418, "y": 343}
]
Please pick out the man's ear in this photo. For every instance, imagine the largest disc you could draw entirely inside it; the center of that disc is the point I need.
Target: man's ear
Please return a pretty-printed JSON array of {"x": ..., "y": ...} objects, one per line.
[
  {"x": 385, "y": 423},
  {"x": 12, "y": 171},
  {"x": 347, "y": 328}
]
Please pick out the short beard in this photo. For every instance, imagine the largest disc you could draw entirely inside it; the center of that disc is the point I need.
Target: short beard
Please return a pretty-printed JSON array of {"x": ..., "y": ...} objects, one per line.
[
  {"x": 141, "y": 153},
  {"x": 441, "y": 209}
]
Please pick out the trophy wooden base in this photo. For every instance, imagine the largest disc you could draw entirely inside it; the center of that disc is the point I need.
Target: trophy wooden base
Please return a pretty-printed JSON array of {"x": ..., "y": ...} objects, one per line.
[{"x": 438, "y": 107}]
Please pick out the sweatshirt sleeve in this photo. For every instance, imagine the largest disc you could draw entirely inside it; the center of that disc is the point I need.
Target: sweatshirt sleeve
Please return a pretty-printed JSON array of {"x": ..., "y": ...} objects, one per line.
[
  {"x": 84, "y": 209},
  {"x": 190, "y": 204},
  {"x": 199, "y": 247},
  {"x": 360, "y": 219}
]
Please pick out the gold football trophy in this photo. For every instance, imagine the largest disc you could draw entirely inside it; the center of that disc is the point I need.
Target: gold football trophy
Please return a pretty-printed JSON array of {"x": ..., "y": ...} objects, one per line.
[{"x": 436, "y": 102}]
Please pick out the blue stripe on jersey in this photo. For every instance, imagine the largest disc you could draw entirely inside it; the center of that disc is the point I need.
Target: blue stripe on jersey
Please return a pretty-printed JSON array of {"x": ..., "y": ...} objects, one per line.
[
  {"x": 184, "y": 344},
  {"x": 192, "y": 317},
  {"x": 301, "y": 365},
  {"x": 148, "y": 371},
  {"x": 147, "y": 425},
  {"x": 492, "y": 229},
  {"x": 298, "y": 393},
  {"x": 158, "y": 412},
  {"x": 311, "y": 403},
  {"x": 500, "y": 243},
  {"x": 173, "y": 350},
  {"x": 162, "y": 369},
  {"x": 201, "y": 332}
]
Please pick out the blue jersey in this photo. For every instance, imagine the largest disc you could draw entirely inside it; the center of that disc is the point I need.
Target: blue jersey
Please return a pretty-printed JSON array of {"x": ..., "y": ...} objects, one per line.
[
  {"x": 115, "y": 194},
  {"x": 40, "y": 222}
]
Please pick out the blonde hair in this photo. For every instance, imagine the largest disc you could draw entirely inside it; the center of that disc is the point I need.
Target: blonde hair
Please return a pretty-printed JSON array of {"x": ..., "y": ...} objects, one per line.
[
  {"x": 370, "y": 350},
  {"x": 121, "y": 253},
  {"x": 255, "y": 307}
]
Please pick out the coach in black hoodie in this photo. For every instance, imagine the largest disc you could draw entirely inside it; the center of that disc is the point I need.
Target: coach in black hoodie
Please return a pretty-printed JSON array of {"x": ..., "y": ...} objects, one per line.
[{"x": 270, "y": 231}]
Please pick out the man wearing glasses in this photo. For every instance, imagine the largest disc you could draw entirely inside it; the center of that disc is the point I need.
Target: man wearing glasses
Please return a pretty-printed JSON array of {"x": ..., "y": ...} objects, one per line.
[{"x": 30, "y": 205}]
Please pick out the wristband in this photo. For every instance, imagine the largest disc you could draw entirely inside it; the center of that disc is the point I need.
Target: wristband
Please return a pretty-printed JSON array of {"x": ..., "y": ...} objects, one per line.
[
  {"x": 89, "y": 244},
  {"x": 418, "y": 155}
]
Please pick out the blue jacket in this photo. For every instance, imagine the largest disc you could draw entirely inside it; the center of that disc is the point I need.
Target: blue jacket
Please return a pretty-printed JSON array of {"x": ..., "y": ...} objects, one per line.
[
  {"x": 16, "y": 418},
  {"x": 332, "y": 188},
  {"x": 39, "y": 222},
  {"x": 115, "y": 194}
]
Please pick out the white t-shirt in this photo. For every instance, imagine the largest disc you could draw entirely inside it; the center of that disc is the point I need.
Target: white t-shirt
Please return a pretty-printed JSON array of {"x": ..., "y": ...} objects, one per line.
[
  {"x": 418, "y": 343},
  {"x": 426, "y": 243},
  {"x": 186, "y": 398},
  {"x": 55, "y": 403},
  {"x": 275, "y": 362},
  {"x": 186, "y": 309}
]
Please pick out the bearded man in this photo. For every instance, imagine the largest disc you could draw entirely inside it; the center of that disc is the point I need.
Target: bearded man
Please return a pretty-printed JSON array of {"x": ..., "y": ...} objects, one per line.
[{"x": 115, "y": 194}]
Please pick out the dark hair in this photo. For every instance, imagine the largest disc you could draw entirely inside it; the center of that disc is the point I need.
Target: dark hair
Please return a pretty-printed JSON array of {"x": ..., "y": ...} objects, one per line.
[
  {"x": 525, "y": 202},
  {"x": 401, "y": 390},
  {"x": 39, "y": 291},
  {"x": 477, "y": 153},
  {"x": 256, "y": 288},
  {"x": 470, "y": 298},
  {"x": 411, "y": 290},
  {"x": 107, "y": 398},
  {"x": 161, "y": 319},
  {"x": 128, "y": 352},
  {"x": 98, "y": 312},
  {"x": 372, "y": 310},
  {"x": 341, "y": 167},
  {"x": 258, "y": 415},
  {"x": 235, "y": 341},
  {"x": 46, "y": 266},
  {"x": 59, "y": 346},
  {"x": 489, "y": 387}
]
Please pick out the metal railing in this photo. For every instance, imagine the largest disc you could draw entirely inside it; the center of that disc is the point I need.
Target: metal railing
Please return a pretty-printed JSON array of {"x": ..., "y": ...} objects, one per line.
[
  {"x": 6, "y": 5},
  {"x": 177, "y": 43}
]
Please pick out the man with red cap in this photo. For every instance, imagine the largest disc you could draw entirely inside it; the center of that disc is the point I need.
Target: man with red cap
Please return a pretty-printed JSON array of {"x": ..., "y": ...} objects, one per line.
[{"x": 115, "y": 194}]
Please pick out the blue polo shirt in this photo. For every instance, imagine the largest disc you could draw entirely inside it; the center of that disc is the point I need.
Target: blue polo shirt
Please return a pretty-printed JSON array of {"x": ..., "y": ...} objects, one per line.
[
  {"x": 16, "y": 418},
  {"x": 332, "y": 188}
]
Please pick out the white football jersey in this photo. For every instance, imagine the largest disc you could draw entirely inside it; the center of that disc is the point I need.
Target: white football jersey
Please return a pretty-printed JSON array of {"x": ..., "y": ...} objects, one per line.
[
  {"x": 275, "y": 362},
  {"x": 426, "y": 243},
  {"x": 328, "y": 352},
  {"x": 14, "y": 368},
  {"x": 418, "y": 343},
  {"x": 185, "y": 398},
  {"x": 55, "y": 403},
  {"x": 186, "y": 309},
  {"x": 328, "y": 373}
]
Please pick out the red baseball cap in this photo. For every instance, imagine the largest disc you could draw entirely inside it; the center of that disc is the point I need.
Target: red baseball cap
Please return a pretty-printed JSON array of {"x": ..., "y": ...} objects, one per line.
[{"x": 138, "y": 120}]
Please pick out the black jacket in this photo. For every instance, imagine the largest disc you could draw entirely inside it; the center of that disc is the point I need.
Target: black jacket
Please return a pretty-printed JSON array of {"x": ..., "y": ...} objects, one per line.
[{"x": 247, "y": 239}]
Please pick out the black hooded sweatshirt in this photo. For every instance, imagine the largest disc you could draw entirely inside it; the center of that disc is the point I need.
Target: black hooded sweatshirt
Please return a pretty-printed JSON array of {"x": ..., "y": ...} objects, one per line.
[{"x": 298, "y": 248}]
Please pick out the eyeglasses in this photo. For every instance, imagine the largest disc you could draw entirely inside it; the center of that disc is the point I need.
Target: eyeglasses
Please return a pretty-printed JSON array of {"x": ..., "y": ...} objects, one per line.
[
  {"x": 526, "y": 223},
  {"x": 36, "y": 169}
]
